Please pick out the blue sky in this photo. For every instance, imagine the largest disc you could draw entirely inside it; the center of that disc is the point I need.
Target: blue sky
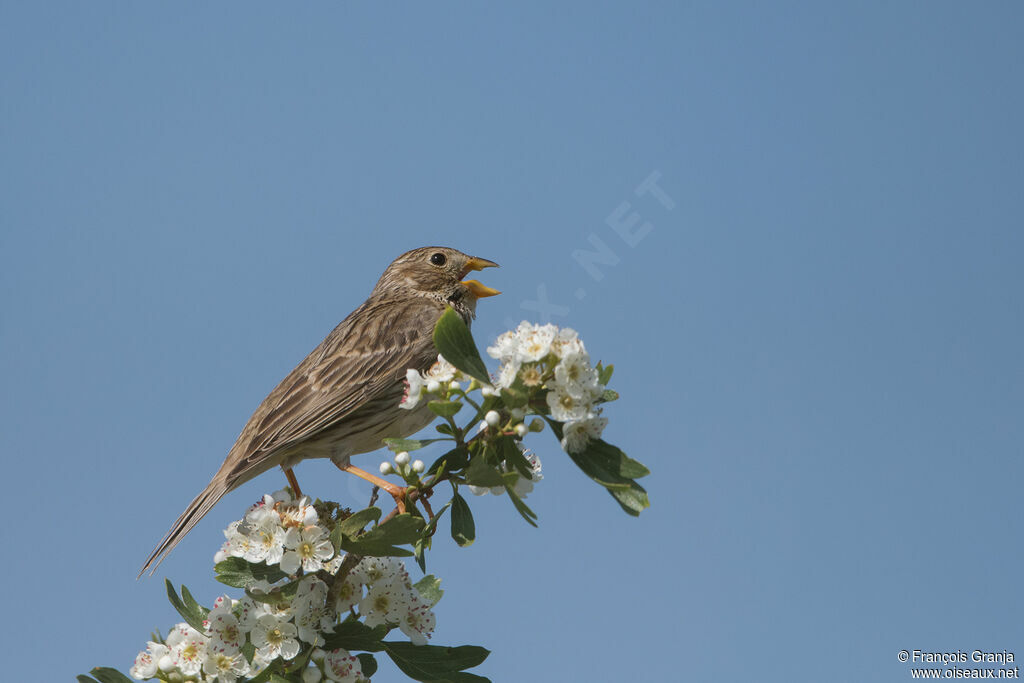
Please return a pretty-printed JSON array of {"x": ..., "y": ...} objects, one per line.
[{"x": 817, "y": 340}]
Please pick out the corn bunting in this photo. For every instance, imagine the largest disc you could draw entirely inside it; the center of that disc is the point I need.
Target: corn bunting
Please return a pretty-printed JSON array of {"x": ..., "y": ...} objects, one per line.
[{"x": 343, "y": 399}]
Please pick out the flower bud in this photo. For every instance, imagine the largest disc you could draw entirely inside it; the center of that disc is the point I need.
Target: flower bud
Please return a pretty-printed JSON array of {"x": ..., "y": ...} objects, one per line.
[
  {"x": 521, "y": 430},
  {"x": 492, "y": 418},
  {"x": 433, "y": 386},
  {"x": 402, "y": 458},
  {"x": 488, "y": 392},
  {"x": 418, "y": 466},
  {"x": 518, "y": 413},
  {"x": 536, "y": 424},
  {"x": 455, "y": 386},
  {"x": 386, "y": 468},
  {"x": 311, "y": 675}
]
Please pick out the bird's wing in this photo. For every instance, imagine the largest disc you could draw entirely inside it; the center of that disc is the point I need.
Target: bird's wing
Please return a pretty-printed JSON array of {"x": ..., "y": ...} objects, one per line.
[{"x": 358, "y": 361}]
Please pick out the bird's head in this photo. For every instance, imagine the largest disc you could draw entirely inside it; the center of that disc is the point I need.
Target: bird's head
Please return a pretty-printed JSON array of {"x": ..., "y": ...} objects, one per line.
[{"x": 437, "y": 273}]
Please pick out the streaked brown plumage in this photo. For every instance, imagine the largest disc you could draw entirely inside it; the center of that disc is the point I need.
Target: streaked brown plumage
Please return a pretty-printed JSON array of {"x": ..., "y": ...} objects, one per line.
[{"x": 343, "y": 398}]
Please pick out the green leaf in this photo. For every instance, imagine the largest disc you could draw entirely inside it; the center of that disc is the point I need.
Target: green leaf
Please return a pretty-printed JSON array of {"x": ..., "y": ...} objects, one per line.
[
  {"x": 82, "y": 678},
  {"x": 463, "y": 528},
  {"x": 436, "y": 663},
  {"x": 419, "y": 551},
  {"x": 455, "y": 459},
  {"x": 607, "y": 396},
  {"x": 104, "y": 674},
  {"x": 367, "y": 663},
  {"x": 380, "y": 541},
  {"x": 445, "y": 408},
  {"x": 609, "y": 466},
  {"x": 189, "y": 609},
  {"x": 604, "y": 373},
  {"x": 510, "y": 453},
  {"x": 480, "y": 473},
  {"x": 603, "y": 462},
  {"x": 403, "y": 528},
  {"x": 615, "y": 460},
  {"x": 191, "y": 603},
  {"x": 238, "y": 573},
  {"x": 455, "y": 343},
  {"x": 278, "y": 678},
  {"x": 510, "y": 479},
  {"x": 280, "y": 594},
  {"x": 399, "y": 445},
  {"x": 355, "y": 635},
  {"x": 633, "y": 499},
  {"x": 514, "y": 396},
  {"x": 428, "y": 530},
  {"x": 429, "y": 588},
  {"x": 353, "y": 524}
]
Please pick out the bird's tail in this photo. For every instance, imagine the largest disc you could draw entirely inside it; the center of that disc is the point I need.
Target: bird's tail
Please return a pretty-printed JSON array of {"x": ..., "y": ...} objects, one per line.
[{"x": 196, "y": 510}]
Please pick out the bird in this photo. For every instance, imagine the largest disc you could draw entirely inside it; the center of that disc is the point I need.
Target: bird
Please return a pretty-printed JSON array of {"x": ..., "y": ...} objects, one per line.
[{"x": 343, "y": 399}]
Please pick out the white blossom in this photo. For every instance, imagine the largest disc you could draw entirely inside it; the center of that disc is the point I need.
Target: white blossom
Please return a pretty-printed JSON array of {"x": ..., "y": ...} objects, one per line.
[
  {"x": 505, "y": 347},
  {"x": 187, "y": 649},
  {"x": 534, "y": 341},
  {"x": 413, "y": 389},
  {"x": 248, "y": 612},
  {"x": 578, "y": 433},
  {"x": 567, "y": 343},
  {"x": 225, "y": 667},
  {"x": 308, "y": 548},
  {"x": 349, "y": 593},
  {"x": 565, "y": 407},
  {"x": 370, "y": 570},
  {"x": 297, "y": 513},
  {"x": 385, "y": 602},
  {"x": 145, "y": 665},
  {"x": 274, "y": 637},
  {"x": 310, "y": 610},
  {"x": 341, "y": 666},
  {"x": 223, "y": 627},
  {"x": 507, "y": 374},
  {"x": 417, "y": 622},
  {"x": 575, "y": 375},
  {"x": 441, "y": 371}
]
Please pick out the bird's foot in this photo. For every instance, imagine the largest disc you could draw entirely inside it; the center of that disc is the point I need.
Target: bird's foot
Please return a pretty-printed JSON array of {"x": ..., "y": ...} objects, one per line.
[{"x": 396, "y": 492}]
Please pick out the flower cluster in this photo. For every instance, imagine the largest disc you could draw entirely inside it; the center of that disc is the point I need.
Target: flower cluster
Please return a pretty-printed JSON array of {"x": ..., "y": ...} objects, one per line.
[
  {"x": 548, "y": 358},
  {"x": 288, "y": 533},
  {"x": 279, "y": 530}
]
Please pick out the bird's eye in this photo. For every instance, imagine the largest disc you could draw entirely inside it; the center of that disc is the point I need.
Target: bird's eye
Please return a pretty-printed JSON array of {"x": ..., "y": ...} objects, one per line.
[{"x": 438, "y": 259}]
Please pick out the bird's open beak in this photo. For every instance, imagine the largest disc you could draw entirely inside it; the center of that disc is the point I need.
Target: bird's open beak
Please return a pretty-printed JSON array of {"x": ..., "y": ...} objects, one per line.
[{"x": 478, "y": 289}]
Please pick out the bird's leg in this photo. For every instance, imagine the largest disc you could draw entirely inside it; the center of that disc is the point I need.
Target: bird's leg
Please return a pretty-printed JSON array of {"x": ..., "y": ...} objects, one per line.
[
  {"x": 292, "y": 481},
  {"x": 397, "y": 492}
]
